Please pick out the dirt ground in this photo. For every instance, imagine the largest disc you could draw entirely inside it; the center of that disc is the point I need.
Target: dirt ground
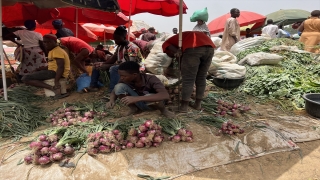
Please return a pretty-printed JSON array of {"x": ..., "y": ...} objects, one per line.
[{"x": 299, "y": 164}]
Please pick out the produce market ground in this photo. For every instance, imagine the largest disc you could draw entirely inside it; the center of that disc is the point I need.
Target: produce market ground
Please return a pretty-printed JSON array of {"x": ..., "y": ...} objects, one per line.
[{"x": 301, "y": 164}]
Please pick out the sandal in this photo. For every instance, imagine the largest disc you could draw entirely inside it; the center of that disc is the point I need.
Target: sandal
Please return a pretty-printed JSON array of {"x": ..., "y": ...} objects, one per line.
[{"x": 60, "y": 96}]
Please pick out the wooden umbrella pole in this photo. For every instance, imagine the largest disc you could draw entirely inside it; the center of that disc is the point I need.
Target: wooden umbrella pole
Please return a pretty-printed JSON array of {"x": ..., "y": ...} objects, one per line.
[
  {"x": 3, "y": 71},
  {"x": 129, "y": 20},
  {"x": 180, "y": 45}
]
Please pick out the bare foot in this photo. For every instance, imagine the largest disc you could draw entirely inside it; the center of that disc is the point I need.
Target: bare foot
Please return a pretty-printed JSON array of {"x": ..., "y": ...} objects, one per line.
[{"x": 168, "y": 113}]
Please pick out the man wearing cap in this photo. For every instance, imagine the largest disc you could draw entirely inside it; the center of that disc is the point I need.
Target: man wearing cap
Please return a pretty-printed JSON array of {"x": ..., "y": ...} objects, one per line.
[
  {"x": 149, "y": 36},
  {"x": 58, "y": 67},
  {"x": 61, "y": 31}
]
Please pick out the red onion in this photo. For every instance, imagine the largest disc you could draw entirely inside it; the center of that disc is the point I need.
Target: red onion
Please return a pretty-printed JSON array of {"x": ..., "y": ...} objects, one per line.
[
  {"x": 158, "y": 132},
  {"x": 65, "y": 124},
  {"x": 241, "y": 131},
  {"x": 183, "y": 138},
  {"x": 67, "y": 114},
  {"x": 91, "y": 137},
  {"x": 133, "y": 139},
  {"x": 231, "y": 132},
  {"x": 69, "y": 117},
  {"x": 53, "y": 138},
  {"x": 53, "y": 150},
  {"x": 176, "y": 138},
  {"x": 223, "y": 113},
  {"x": 35, "y": 145},
  {"x": 189, "y": 139},
  {"x": 68, "y": 150},
  {"x": 103, "y": 141},
  {"x": 182, "y": 132},
  {"x": 123, "y": 142},
  {"x": 28, "y": 159},
  {"x": 155, "y": 144},
  {"x": 141, "y": 135},
  {"x": 88, "y": 114},
  {"x": 143, "y": 139},
  {"x": 104, "y": 149},
  {"x": 44, "y": 150},
  {"x": 44, "y": 160},
  {"x": 36, "y": 159},
  {"x": 84, "y": 119},
  {"x": 157, "y": 139},
  {"x": 57, "y": 156},
  {"x": 152, "y": 132},
  {"x": 45, "y": 143},
  {"x": 42, "y": 137},
  {"x": 60, "y": 115},
  {"x": 92, "y": 151},
  {"x": 112, "y": 145},
  {"x": 148, "y": 144},
  {"x": 116, "y": 132},
  {"x": 117, "y": 148},
  {"x": 123, "y": 147},
  {"x": 51, "y": 115},
  {"x": 139, "y": 144},
  {"x": 132, "y": 132},
  {"x": 119, "y": 137},
  {"x": 98, "y": 135},
  {"x": 143, "y": 128},
  {"x": 148, "y": 123},
  {"x": 130, "y": 145},
  {"x": 96, "y": 143},
  {"x": 189, "y": 133}
]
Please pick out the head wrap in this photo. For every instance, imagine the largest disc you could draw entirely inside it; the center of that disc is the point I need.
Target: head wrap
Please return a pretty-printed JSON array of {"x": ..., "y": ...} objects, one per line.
[
  {"x": 30, "y": 24},
  {"x": 50, "y": 36},
  {"x": 57, "y": 22}
]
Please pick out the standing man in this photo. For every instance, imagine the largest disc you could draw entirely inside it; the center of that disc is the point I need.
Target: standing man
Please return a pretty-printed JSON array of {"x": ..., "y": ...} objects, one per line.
[
  {"x": 197, "y": 52},
  {"x": 231, "y": 34},
  {"x": 270, "y": 29},
  {"x": 61, "y": 31},
  {"x": 175, "y": 30},
  {"x": 58, "y": 67},
  {"x": 150, "y": 35}
]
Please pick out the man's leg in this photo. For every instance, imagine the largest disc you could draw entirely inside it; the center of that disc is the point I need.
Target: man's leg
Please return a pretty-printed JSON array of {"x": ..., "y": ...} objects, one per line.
[
  {"x": 202, "y": 75},
  {"x": 114, "y": 76},
  {"x": 189, "y": 69},
  {"x": 94, "y": 78}
]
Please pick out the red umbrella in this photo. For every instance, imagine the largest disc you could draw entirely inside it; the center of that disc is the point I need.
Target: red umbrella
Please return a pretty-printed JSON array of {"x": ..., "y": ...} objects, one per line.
[
  {"x": 83, "y": 33},
  {"x": 157, "y": 7},
  {"x": 246, "y": 18},
  {"x": 92, "y": 16},
  {"x": 16, "y": 15}
]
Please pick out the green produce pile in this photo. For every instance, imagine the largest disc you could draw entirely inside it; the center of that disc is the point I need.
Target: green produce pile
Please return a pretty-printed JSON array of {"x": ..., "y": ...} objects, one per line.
[{"x": 295, "y": 75}]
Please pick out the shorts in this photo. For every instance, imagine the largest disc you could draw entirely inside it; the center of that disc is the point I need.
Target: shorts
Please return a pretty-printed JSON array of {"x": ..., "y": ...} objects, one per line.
[{"x": 40, "y": 75}]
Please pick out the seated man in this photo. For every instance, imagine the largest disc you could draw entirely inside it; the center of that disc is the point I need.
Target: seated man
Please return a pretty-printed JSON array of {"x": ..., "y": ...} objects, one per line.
[
  {"x": 58, "y": 67},
  {"x": 136, "y": 89},
  {"x": 100, "y": 48}
]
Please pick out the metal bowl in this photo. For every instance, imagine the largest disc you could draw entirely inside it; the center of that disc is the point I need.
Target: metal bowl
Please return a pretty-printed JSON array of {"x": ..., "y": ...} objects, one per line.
[
  {"x": 312, "y": 105},
  {"x": 227, "y": 83}
]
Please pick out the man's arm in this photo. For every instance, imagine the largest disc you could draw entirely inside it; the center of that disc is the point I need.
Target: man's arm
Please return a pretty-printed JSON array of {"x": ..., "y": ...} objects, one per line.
[
  {"x": 59, "y": 72},
  {"x": 301, "y": 27},
  {"x": 113, "y": 98},
  {"x": 162, "y": 94},
  {"x": 84, "y": 53}
]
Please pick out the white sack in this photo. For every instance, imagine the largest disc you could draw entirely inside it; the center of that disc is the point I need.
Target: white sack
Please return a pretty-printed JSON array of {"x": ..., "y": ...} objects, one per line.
[
  {"x": 261, "y": 58},
  {"x": 216, "y": 41},
  {"x": 157, "y": 61},
  {"x": 248, "y": 43}
]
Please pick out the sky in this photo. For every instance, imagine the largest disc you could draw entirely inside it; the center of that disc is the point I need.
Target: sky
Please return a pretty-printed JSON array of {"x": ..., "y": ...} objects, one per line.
[{"x": 218, "y": 8}]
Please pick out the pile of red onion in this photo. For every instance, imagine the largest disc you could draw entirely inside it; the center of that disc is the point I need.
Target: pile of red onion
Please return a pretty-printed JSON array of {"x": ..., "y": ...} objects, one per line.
[
  {"x": 148, "y": 134},
  {"x": 45, "y": 151},
  {"x": 69, "y": 116},
  {"x": 105, "y": 142},
  {"x": 182, "y": 135},
  {"x": 232, "y": 109},
  {"x": 230, "y": 128}
]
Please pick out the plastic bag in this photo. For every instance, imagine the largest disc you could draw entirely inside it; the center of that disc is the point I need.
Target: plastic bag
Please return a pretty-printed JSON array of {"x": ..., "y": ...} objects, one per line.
[
  {"x": 157, "y": 61},
  {"x": 248, "y": 43},
  {"x": 216, "y": 41},
  {"x": 261, "y": 58},
  {"x": 200, "y": 15}
]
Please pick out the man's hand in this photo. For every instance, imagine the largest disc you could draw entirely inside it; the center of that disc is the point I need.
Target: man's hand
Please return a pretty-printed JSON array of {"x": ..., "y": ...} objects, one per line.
[
  {"x": 178, "y": 53},
  {"x": 110, "y": 104},
  {"x": 129, "y": 100},
  {"x": 56, "y": 85}
]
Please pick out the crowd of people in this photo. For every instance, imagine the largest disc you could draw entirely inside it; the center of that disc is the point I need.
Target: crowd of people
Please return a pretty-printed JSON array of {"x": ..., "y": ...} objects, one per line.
[{"x": 64, "y": 56}]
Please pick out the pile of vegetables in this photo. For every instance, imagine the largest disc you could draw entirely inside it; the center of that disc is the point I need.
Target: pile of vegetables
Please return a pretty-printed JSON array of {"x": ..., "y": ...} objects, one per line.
[
  {"x": 224, "y": 126},
  {"x": 296, "y": 74},
  {"x": 72, "y": 114},
  {"x": 18, "y": 120},
  {"x": 177, "y": 131},
  {"x": 147, "y": 134}
]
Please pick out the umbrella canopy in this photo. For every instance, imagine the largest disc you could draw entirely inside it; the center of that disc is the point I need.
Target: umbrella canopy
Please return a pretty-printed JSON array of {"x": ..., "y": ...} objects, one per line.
[
  {"x": 288, "y": 16},
  {"x": 16, "y": 15},
  {"x": 246, "y": 18},
  {"x": 105, "y": 5},
  {"x": 103, "y": 31},
  {"x": 92, "y": 16},
  {"x": 157, "y": 7},
  {"x": 84, "y": 33}
]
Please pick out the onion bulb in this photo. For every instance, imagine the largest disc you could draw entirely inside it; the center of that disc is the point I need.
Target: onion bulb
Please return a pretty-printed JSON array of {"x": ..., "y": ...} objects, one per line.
[
  {"x": 28, "y": 159},
  {"x": 44, "y": 160}
]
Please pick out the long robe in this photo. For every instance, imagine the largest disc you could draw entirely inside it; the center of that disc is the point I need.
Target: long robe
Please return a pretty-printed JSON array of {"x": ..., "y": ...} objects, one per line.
[
  {"x": 311, "y": 35},
  {"x": 231, "y": 28}
]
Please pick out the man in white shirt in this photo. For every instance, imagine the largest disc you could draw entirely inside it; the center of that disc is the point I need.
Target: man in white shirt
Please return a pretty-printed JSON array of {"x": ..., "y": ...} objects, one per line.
[
  {"x": 282, "y": 33},
  {"x": 270, "y": 29}
]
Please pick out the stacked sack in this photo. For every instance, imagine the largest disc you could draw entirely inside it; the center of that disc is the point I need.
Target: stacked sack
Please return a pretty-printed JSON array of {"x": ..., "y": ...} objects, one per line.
[{"x": 224, "y": 65}]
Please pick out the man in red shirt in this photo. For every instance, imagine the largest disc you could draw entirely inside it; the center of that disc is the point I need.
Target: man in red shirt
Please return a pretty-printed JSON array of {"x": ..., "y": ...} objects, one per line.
[{"x": 197, "y": 51}]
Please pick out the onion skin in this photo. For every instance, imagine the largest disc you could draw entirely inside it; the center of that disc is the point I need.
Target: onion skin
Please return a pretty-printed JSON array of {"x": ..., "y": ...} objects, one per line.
[
  {"x": 182, "y": 132},
  {"x": 45, "y": 143},
  {"x": 157, "y": 139},
  {"x": 44, "y": 150},
  {"x": 189, "y": 133},
  {"x": 92, "y": 151},
  {"x": 148, "y": 123},
  {"x": 42, "y": 137},
  {"x": 53, "y": 150},
  {"x": 139, "y": 144},
  {"x": 35, "y": 145},
  {"x": 104, "y": 149},
  {"x": 28, "y": 159},
  {"x": 133, "y": 139},
  {"x": 129, "y": 145},
  {"x": 143, "y": 128},
  {"x": 57, "y": 156},
  {"x": 116, "y": 132},
  {"x": 176, "y": 138},
  {"x": 140, "y": 135},
  {"x": 132, "y": 132},
  {"x": 44, "y": 160},
  {"x": 68, "y": 150}
]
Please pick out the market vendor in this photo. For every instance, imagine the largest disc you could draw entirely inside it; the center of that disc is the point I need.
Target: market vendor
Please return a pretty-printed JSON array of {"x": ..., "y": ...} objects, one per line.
[
  {"x": 136, "y": 90},
  {"x": 310, "y": 29},
  {"x": 58, "y": 67},
  {"x": 126, "y": 51},
  {"x": 61, "y": 31},
  {"x": 270, "y": 29},
  {"x": 149, "y": 35},
  {"x": 80, "y": 49},
  {"x": 231, "y": 33},
  {"x": 202, "y": 27},
  {"x": 197, "y": 51}
]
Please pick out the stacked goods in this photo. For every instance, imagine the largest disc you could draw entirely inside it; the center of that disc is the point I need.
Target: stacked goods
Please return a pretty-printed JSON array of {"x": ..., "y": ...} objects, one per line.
[
  {"x": 148, "y": 134},
  {"x": 224, "y": 126},
  {"x": 177, "y": 131},
  {"x": 295, "y": 75},
  {"x": 51, "y": 148}
]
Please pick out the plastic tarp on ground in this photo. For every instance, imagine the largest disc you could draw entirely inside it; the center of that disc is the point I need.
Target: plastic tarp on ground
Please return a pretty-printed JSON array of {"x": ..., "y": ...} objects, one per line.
[{"x": 172, "y": 159}]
